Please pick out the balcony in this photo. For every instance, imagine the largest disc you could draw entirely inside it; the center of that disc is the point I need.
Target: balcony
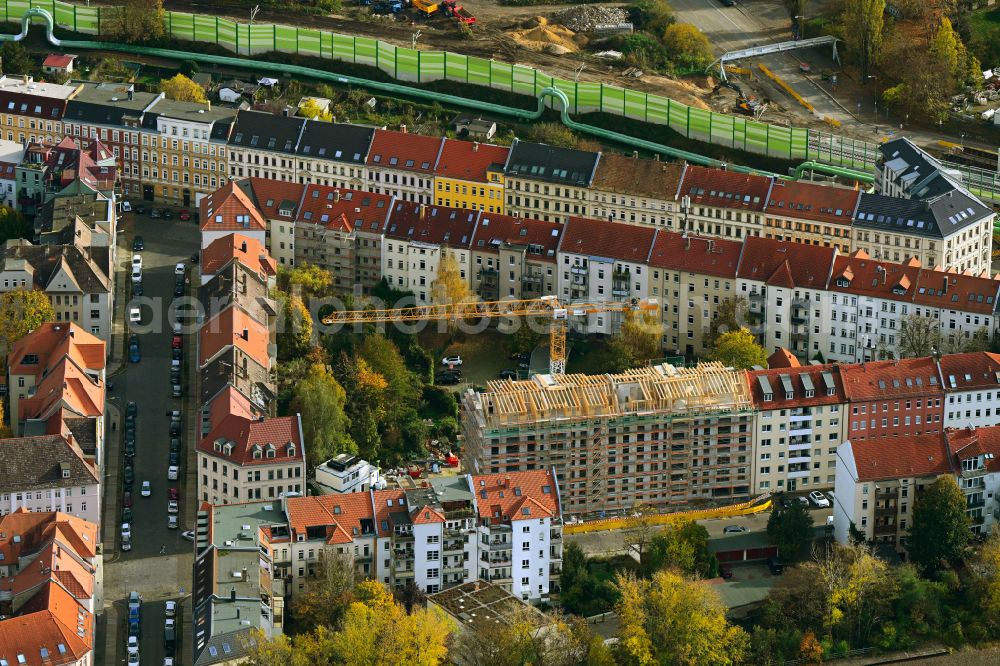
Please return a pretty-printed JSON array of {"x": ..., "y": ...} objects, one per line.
[
  {"x": 975, "y": 503},
  {"x": 803, "y": 474},
  {"x": 800, "y": 432},
  {"x": 885, "y": 510},
  {"x": 801, "y": 303},
  {"x": 884, "y": 529},
  {"x": 973, "y": 473},
  {"x": 800, "y": 317},
  {"x": 500, "y": 545},
  {"x": 578, "y": 270},
  {"x": 757, "y": 297},
  {"x": 800, "y": 336},
  {"x": 459, "y": 569}
]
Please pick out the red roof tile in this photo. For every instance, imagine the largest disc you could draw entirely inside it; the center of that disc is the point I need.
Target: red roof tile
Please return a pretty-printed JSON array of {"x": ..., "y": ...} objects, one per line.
[
  {"x": 468, "y": 160},
  {"x": 230, "y": 209},
  {"x": 868, "y": 277},
  {"x": 696, "y": 254},
  {"x": 966, "y": 443},
  {"x": 725, "y": 189},
  {"x": 495, "y": 230},
  {"x": 782, "y": 358},
  {"x": 810, "y": 201},
  {"x": 404, "y": 151},
  {"x": 57, "y": 60},
  {"x": 326, "y": 205},
  {"x": 601, "y": 238},
  {"x": 500, "y": 496},
  {"x": 28, "y": 634},
  {"x": 52, "y": 341},
  {"x": 967, "y": 293},
  {"x": 914, "y": 456},
  {"x": 876, "y": 380},
  {"x": 388, "y": 502},
  {"x": 66, "y": 386},
  {"x": 248, "y": 251},
  {"x": 437, "y": 225},
  {"x": 271, "y": 193},
  {"x": 227, "y": 328},
  {"x": 971, "y": 371},
  {"x": 247, "y": 436},
  {"x": 426, "y": 515},
  {"x": 800, "y": 380},
  {"x": 785, "y": 264},
  {"x": 347, "y": 511}
]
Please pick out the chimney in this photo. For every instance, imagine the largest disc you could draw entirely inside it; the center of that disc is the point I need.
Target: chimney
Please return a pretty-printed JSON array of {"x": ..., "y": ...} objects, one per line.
[
  {"x": 243, "y": 246},
  {"x": 131, "y": 94},
  {"x": 422, "y": 211},
  {"x": 635, "y": 154},
  {"x": 336, "y": 195},
  {"x": 244, "y": 573},
  {"x": 232, "y": 593},
  {"x": 687, "y": 242},
  {"x": 237, "y": 612},
  {"x": 475, "y": 146},
  {"x": 402, "y": 128},
  {"x": 656, "y": 157},
  {"x": 246, "y": 333},
  {"x": 710, "y": 246}
]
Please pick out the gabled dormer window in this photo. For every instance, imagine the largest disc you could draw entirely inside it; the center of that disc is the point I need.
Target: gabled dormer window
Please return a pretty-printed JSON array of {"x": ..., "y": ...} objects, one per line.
[{"x": 291, "y": 450}]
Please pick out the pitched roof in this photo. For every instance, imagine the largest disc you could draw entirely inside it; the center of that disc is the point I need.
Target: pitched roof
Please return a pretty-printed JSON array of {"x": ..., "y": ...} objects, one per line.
[
  {"x": 58, "y": 60},
  {"x": 340, "y": 142},
  {"x": 276, "y": 199},
  {"x": 696, "y": 254},
  {"x": 956, "y": 291},
  {"x": 937, "y": 218},
  {"x": 230, "y": 209},
  {"x": 601, "y": 238},
  {"x": 503, "y": 497},
  {"x": 782, "y": 358},
  {"x": 469, "y": 160},
  {"x": 969, "y": 372},
  {"x": 725, "y": 189},
  {"x": 878, "y": 279},
  {"x": 84, "y": 274},
  {"x": 877, "y": 380},
  {"x": 966, "y": 443},
  {"x": 266, "y": 131},
  {"x": 539, "y": 161},
  {"x": 344, "y": 209},
  {"x": 640, "y": 177},
  {"x": 495, "y": 230},
  {"x": 785, "y": 264},
  {"x": 66, "y": 387},
  {"x": 351, "y": 512},
  {"x": 44, "y": 461},
  {"x": 247, "y": 250},
  {"x": 914, "y": 456},
  {"x": 249, "y": 436},
  {"x": 437, "y": 225},
  {"x": 227, "y": 328},
  {"x": 404, "y": 151},
  {"x": 810, "y": 201},
  {"x": 52, "y": 341},
  {"x": 808, "y": 385},
  {"x": 28, "y": 634}
]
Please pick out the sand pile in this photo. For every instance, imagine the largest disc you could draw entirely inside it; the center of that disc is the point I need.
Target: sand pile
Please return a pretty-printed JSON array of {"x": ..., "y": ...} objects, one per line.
[{"x": 540, "y": 35}]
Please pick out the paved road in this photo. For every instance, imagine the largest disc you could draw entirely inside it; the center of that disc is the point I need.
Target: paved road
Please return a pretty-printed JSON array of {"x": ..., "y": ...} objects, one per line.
[{"x": 148, "y": 384}]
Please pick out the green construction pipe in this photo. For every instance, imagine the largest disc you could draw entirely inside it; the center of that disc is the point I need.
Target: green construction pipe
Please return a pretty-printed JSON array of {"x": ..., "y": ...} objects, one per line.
[{"x": 429, "y": 96}]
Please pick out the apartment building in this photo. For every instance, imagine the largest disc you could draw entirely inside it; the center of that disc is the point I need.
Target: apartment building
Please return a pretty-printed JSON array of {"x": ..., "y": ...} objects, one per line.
[
  {"x": 236, "y": 585},
  {"x": 262, "y": 145},
  {"x": 962, "y": 304},
  {"x": 635, "y": 191},
  {"x": 548, "y": 183},
  {"x": 470, "y": 175},
  {"x": 246, "y": 327},
  {"x": 657, "y": 435},
  {"x": 972, "y": 389},
  {"x": 514, "y": 257},
  {"x": 690, "y": 276},
  {"x": 784, "y": 284},
  {"x": 278, "y": 203},
  {"x": 334, "y": 154},
  {"x": 11, "y": 154},
  {"x": 49, "y": 473},
  {"x": 245, "y": 458},
  {"x": 416, "y": 238},
  {"x": 64, "y": 169},
  {"x": 402, "y": 165},
  {"x": 52, "y": 577},
  {"x": 345, "y": 473},
  {"x": 236, "y": 247},
  {"x": 901, "y": 398},
  {"x": 809, "y": 213},
  {"x": 976, "y": 464},
  {"x": 598, "y": 262},
  {"x": 230, "y": 210},
  {"x": 725, "y": 204},
  {"x": 33, "y": 111},
  {"x": 801, "y": 419},
  {"x": 186, "y": 148},
  {"x": 338, "y": 230}
]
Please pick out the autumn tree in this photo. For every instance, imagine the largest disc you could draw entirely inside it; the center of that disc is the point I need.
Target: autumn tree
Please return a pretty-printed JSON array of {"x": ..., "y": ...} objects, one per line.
[
  {"x": 183, "y": 89},
  {"x": 529, "y": 334},
  {"x": 450, "y": 287},
  {"x": 739, "y": 349},
  {"x": 986, "y": 574},
  {"x": 326, "y": 596},
  {"x": 309, "y": 278},
  {"x": 637, "y": 340},
  {"x": 5, "y": 430},
  {"x": 791, "y": 528},
  {"x": 687, "y": 45},
  {"x": 855, "y": 587},
  {"x": 810, "y": 650},
  {"x": 940, "y": 529},
  {"x": 681, "y": 545},
  {"x": 320, "y": 401},
  {"x": 670, "y": 619},
  {"x": 862, "y": 23},
  {"x": 918, "y": 336},
  {"x": 22, "y": 311},
  {"x": 295, "y": 327},
  {"x": 136, "y": 21},
  {"x": 311, "y": 109},
  {"x": 730, "y": 315}
]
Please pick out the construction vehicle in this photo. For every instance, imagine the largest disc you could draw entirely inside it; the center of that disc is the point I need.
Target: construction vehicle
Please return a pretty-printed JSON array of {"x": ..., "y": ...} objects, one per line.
[
  {"x": 748, "y": 105},
  {"x": 456, "y": 11},
  {"x": 425, "y": 7},
  {"x": 547, "y": 307}
]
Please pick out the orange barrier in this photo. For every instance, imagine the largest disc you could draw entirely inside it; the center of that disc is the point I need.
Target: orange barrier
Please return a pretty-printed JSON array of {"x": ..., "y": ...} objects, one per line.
[
  {"x": 787, "y": 88},
  {"x": 756, "y": 505}
]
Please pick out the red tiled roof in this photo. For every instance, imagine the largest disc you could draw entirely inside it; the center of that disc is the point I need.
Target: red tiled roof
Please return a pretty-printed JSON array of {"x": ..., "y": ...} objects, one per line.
[
  {"x": 346, "y": 510},
  {"x": 383, "y": 508},
  {"x": 66, "y": 386},
  {"x": 697, "y": 254},
  {"x": 782, "y": 358},
  {"x": 249, "y": 435},
  {"x": 469, "y": 160},
  {"x": 230, "y": 209},
  {"x": 226, "y": 329},
  {"x": 876, "y": 380},
  {"x": 967, "y": 293},
  {"x": 427, "y": 514},
  {"x": 495, "y": 230},
  {"x": 870, "y": 277},
  {"x": 51, "y": 342},
  {"x": 230, "y": 402},
  {"x": 501, "y": 496},
  {"x": 271, "y": 193},
  {"x": 785, "y": 264},
  {"x": 968, "y": 443},
  {"x": 601, "y": 238},
  {"x": 971, "y": 371},
  {"x": 725, "y": 189},
  {"x": 325, "y": 205},
  {"x": 438, "y": 225},
  {"x": 231, "y": 246},
  {"x": 8, "y": 171},
  {"x": 914, "y": 456},
  {"x": 809, "y": 201},
  {"x": 28, "y": 634},
  {"x": 800, "y": 380},
  {"x": 57, "y": 60},
  {"x": 404, "y": 151}
]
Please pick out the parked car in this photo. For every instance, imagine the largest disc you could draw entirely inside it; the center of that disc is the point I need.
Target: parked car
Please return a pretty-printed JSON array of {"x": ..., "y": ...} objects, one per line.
[
  {"x": 129, "y": 451},
  {"x": 452, "y": 361},
  {"x": 172, "y": 473},
  {"x": 146, "y": 490},
  {"x": 127, "y": 499},
  {"x": 171, "y": 522},
  {"x": 134, "y": 355},
  {"x": 171, "y": 609},
  {"x": 172, "y": 506},
  {"x": 134, "y": 315},
  {"x": 819, "y": 499},
  {"x": 137, "y": 244},
  {"x": 734, "y": 529},
  {"x": 775, "y": 566},
  {"x": 188, "y": 534},
  {"x": 126, "y": 206},
  {"x": 725, "y": 572},
  {"x": 172, "y": 493},
  {"x": 133, "y": 659},
  {"x": 175, "y": 445},
  {"x": 174, "y": 458},
  {"x": 177, "y": 342},
  {"x": 131, "y": 409},
  {"x": 508, "y": 374},
  {"x": 132, "y": 645},
  {"x": 176, "y": 390},
  {"x": 176, "y": 353},
  {"x": 447, "y": 379},
  {"x": 129, "y": 475},
  {"x": 179, "y": 268},
  {"x": 167, "y": 214},
  {"x": 137, "y": 288},
  {"x": 137, "y": 261},
  {"x": 126, "y": 515},
  {"x": 126, "y": 531},
  {"x": 802, "y": 500},
  {"x": 175, "y": 428},
  {"x": 126, "y": 544},
  {"x": 133, "y": 627},
  {"x": 155, "y": 213},
  {"x": 184, "y": 215},
  {"x": 194, "y": 257},
  {"x": 140, "y": 210}
]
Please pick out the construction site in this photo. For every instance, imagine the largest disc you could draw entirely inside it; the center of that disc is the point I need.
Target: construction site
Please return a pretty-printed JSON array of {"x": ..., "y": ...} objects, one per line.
[{"x": 660, "y": 436}]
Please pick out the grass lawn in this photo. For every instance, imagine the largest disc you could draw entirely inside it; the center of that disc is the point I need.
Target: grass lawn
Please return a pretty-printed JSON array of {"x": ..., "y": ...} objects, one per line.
[{"x": 985, "y": 39}]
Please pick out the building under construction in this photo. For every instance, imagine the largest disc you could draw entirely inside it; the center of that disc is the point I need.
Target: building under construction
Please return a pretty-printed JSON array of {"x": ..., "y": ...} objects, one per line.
[{"x": 657, "y": 435}]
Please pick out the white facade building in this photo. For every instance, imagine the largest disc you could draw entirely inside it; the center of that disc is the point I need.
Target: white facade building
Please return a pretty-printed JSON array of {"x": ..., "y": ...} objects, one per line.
[{"x": 348, "y": 474}]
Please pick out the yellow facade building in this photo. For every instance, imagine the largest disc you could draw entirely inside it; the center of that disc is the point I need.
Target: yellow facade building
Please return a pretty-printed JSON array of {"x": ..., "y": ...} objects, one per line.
[{"x": 470, "y": 175}]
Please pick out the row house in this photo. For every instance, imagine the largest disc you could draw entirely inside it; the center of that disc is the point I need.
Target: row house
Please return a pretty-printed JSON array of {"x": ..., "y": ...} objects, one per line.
[
  {"x": 262, "y": 145},
  {"x": 976, "y": 463},
  {"x": 49, "y": 473},
  {"x": 416, "y": 238},
  {"x": 690, "y": 276},
  {"x": 600, "y": 261},
  {"x": 64, "y": 169},
  {"x": 334, "y": 154},
  {"x": 548, "y": 183},
  {"x": 514, "y": 258},
  {"x": 402, "y": 165},
  {"x": 893, "y": 398},
  {"x": 32, "y": 112},
  {"x": 11, "y": 155},
  {"x": 236, "y": 248},
  {"x": 810, "y": 213},
  {"x": 53, "y": 588},
  {"x": 971, "y": 384},
  {"x": 278, "y": 203},
  {"x": 228, "y": 210},
  {"x": 725, "y": 204},
  {"x": 636, "y": 191},
  {"x": 470, "y": 175}
]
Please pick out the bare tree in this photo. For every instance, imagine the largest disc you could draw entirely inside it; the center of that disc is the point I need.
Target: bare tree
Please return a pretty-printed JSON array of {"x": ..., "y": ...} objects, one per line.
[
  {"x": 639, "y": 527},
  {"x": 919, "y": 336}
]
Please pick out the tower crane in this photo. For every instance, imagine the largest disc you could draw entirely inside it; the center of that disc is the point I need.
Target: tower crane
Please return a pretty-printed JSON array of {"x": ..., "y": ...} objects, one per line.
[{"x": 548, "y": 307}]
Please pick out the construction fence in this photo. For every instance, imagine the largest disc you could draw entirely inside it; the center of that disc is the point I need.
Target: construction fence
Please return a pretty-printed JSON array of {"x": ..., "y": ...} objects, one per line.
[{"x": 755, "y": 505}]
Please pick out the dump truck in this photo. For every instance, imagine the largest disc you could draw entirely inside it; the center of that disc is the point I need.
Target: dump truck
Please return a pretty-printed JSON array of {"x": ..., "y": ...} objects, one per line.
[
  {"x": 425, "y": 7},
  {"x": 456, "y": 11}
]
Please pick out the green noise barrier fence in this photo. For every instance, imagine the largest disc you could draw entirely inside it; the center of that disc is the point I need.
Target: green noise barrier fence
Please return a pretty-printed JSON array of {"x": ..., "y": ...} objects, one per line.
[{"x": 422, "y": 66}]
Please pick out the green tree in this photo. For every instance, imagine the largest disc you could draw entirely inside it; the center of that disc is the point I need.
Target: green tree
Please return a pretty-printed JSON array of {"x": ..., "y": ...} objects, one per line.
[
  {"x": 637, "y": 340},
  {"x": 320, "y": 400},
  {"x": 327, "y": 595},
  {"x": 12, "y": 223},
  {"x": 682, "y": 545},
  {"x": 730, "y": 315},
  {"x": 527, "y": 336},
  {"x": 295, "y": 328},
  {"x": 687, "y": 45},
  {"x": 183, "y": 89},
  {"x": 944, "y": 47},
  {"x": 15, "y": 58},
  {"x": 739, "y": 349},
  {"x": 310, "y": 278},
  {"x": 940, "y": 530},
  {"x": 918, "y": 336},
  {"x": 791, "y": 529},
  {"x": 553, "y": 134},
  {"x": 136, "y": 21},
  {"x": 862, "y": 23},
  {"x": 653, "y": 16},
  {"x": 986, "y": 576},
  {"x": 22, "y": 311}
]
